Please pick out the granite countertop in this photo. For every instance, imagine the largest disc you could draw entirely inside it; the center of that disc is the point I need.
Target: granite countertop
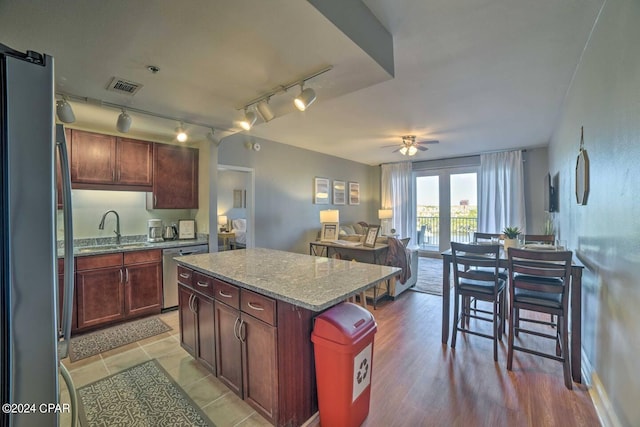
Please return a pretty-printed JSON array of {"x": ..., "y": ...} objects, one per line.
[
  {"x": 85, "y": 247},
  {"x": 314, "y": 283}
]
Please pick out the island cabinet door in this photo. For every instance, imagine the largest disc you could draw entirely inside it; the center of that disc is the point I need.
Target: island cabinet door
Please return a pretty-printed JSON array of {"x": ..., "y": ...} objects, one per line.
[
  {"x": 228, "y": 347},
  {"x": 187, "y": 320},
  {"x": 205, "y": 337},
  {"x": 260, "y": 375}
]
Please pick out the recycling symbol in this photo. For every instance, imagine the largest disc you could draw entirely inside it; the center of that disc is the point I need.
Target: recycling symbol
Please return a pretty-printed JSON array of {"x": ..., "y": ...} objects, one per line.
[{"x": 363, "y": 371}]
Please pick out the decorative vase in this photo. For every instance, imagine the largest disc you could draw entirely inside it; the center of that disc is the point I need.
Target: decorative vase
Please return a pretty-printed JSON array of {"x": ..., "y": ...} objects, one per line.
[{"x": 508, "y": 243}]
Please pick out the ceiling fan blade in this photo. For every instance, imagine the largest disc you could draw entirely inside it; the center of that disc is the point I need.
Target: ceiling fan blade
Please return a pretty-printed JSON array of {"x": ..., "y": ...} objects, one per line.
[
  {"x": 397, "y": 149},
  {"x": 433, "y": 141},
  {"x": 389, "y": 146},
  {"x": 421, "y": 148}
]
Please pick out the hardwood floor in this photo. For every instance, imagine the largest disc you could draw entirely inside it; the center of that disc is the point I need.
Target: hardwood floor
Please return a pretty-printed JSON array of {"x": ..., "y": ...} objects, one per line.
[{"x": 417, "y": 381}]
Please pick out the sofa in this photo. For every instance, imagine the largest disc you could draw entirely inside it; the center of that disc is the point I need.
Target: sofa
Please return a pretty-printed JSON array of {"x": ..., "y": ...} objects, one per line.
[{"x": 356, "y": 232}]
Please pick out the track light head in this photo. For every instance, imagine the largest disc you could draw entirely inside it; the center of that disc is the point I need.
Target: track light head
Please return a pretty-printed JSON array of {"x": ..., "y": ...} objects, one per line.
[
  {"x": 249, "y": 120},
  {"x": 64, "y": 111},
  {"x": 124, "y": 122},
  {"x": 265, "y": 111},
  {"x": 305, "y": 99},
  {"x": 181, "y": 135}
]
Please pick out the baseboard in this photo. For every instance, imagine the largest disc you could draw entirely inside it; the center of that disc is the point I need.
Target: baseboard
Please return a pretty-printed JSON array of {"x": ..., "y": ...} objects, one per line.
[
  {"x": 313, "y": 421},
  {"x": 601, "y": 402}
]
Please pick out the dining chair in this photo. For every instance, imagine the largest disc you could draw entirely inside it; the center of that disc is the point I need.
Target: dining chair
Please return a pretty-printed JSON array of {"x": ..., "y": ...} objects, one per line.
[
  {"x": 479, "y": 237},
  {"x": 539, "y": 282},
  {"x": 548, "y": 239},
  {"x": 480, "y": 282}
]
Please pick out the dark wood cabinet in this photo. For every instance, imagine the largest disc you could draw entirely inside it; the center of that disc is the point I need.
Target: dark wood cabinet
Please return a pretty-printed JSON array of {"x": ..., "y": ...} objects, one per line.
[
  {"x": 143, "y": 282},
  {"x": 100, "y": 296},
  {"x": 197, "y": 317},
  {"x": 187, "y": 320},
  {"x": 106, "y": 162},
  {"x": 118, "y": 286},
  {"x": 229, "y": 347},
  {"x": 259, "y": 369},
  {"x": 263, "y": 349},
  {"x": 175, "y": 178}
]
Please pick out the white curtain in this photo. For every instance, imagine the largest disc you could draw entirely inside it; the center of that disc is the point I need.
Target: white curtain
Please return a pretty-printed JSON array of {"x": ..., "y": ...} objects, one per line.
[
  {"x": 395, "y": 188},
  {"x": 501, "y": 185}
]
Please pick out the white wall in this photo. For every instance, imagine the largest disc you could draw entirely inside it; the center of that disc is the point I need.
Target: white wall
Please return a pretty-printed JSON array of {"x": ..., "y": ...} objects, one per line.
[
  {"x": 605, "y": 99},
  {"x": 285, "y": 216}
]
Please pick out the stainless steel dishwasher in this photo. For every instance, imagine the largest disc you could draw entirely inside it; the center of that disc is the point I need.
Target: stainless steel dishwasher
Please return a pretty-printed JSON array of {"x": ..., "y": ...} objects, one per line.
[{"x": 170, "y": 272}]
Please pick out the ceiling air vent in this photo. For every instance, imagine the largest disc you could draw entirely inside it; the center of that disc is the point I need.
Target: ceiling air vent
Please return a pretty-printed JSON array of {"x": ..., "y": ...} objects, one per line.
[{"x": 123, "y": 86}]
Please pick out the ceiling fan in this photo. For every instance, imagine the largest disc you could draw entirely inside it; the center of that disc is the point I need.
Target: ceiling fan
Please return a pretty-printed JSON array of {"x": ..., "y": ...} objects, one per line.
[{"x": 410, "y": 146}]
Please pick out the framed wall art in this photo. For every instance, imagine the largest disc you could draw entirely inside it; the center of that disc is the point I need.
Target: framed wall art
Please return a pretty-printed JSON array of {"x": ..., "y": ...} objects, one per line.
[
  {"x": 329, "y": 232},
  {"x": 321, "y": 191},
  {"x": 371, "y": 235},
  {"x": 354, "y": 193},
  {"x": 339, "y": 192}
]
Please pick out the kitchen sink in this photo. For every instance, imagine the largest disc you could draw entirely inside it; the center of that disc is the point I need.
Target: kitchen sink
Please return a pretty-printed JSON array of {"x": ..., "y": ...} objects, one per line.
[{"x": 100, "y": 248}]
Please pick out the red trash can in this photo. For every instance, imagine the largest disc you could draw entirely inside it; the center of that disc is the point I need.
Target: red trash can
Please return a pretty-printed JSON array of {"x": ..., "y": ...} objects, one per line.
[{"x": 343, "y": 349}]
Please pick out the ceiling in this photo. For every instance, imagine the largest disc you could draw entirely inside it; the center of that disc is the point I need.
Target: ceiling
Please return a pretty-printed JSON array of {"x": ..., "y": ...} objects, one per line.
[{"x": 477, "y": 75}]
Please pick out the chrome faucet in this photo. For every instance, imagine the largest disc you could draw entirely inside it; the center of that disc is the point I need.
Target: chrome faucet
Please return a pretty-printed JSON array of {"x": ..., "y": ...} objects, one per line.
[{"x": 117, "y": 230}]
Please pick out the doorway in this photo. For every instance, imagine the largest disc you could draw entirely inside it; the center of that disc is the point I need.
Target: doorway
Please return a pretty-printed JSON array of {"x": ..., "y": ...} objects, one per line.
[
  {"x": 236, "y": 201},
  {"x": 446, "y": 206}
]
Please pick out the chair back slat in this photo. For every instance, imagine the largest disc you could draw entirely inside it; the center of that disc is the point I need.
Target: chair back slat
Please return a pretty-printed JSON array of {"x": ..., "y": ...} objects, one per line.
[
  {"x": 485, "y": 237},
  {"x": 544, "y": 265},
  {"x": 540, "y": 238},
  {"x": 466, "y": 256}
]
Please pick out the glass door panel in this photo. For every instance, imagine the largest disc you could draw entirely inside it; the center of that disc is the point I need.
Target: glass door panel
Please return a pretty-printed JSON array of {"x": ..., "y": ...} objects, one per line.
[{"x": 428, "y": 211}]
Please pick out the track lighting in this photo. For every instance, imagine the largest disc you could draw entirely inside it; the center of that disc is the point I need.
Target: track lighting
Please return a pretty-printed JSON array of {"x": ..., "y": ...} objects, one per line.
[
  {"x": 305, "y": 99},
  {"x": 181, "y": 135},
  {"x": 265, "y": 110},
  {"x": 249, "y": 120},
  {"x": 64, "y": 111},
  {"x": 124, "y": 122}
]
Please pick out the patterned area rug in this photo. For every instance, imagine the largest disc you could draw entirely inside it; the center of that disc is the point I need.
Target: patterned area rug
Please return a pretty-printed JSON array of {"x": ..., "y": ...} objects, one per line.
[
  {"x": 429, "y": 276},
  {"x": 143, "y": 395},
  {"x": 97, "y": 342}
]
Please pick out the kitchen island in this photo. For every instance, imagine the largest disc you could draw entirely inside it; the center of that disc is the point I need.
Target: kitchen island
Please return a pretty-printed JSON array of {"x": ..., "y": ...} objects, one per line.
[{"x": 247, "y": 315}]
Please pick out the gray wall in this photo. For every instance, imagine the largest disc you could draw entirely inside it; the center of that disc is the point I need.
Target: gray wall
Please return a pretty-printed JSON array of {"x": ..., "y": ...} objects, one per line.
[
  {"x": 285, "y": 216},
  {"x": 605, "y": 99}
]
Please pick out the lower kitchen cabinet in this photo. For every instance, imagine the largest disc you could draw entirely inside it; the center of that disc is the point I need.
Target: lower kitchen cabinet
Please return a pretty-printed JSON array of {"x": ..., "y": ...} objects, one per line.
[
  {"x": 197, "y": 321},
  {"x": 262, "y": 348},
  {"x": 118, "y": 286},
  {"x": 229, "y": 354},
  {"x": 259, "y": 371}
]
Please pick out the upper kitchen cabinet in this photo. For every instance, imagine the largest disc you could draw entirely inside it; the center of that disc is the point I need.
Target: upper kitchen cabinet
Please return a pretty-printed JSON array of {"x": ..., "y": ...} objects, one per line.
[
  {"x": 175, "y": 178},
  {"x": 106, "y": 162}
]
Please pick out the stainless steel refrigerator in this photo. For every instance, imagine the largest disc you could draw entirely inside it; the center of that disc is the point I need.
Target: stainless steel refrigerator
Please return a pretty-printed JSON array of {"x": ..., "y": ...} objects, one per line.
[{"x": 31, "y": 340}]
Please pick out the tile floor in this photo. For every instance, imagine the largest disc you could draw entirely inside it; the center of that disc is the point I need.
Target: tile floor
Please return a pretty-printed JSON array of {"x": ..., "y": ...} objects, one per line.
[{"x": 220, "y": 404}]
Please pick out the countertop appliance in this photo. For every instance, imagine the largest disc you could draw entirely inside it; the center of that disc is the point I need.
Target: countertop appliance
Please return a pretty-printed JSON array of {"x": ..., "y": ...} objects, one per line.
[
  {"x": 155, "y": 230},
  {"x": 170, "y": 272},
  {"x": 170, "y": 232},
  {"x": 31, "y": 340}
]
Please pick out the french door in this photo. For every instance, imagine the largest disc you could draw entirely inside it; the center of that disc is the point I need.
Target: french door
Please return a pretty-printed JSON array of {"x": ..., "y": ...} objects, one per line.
[{"x": 446, "y": 206}]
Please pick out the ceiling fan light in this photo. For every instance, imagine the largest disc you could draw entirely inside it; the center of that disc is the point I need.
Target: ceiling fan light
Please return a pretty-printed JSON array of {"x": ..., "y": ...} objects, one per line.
[
  {"x": 64, "y": 111},
  {"x": 181, "y": 135},
  {"x": 249, "y": 120},
  {"x": 124, "y": 122},
  {"x": 412, "y": 150},
  {"x": 403, "y": 151},
  {"x": 265, "y": 111},
  {"x": 305, "y": 99}
]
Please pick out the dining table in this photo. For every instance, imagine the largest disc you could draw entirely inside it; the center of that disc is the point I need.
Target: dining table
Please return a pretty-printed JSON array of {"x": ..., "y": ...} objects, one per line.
[{"x": 575, "y": 307}]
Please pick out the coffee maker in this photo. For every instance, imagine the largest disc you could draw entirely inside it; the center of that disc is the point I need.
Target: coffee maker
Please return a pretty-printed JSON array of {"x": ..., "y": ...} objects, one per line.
[{"x": 155, "y": 230}]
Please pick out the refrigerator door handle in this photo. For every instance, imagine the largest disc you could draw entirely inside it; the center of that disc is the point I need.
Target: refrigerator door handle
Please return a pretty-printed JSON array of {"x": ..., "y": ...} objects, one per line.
[{"x": 67, "y": 306}]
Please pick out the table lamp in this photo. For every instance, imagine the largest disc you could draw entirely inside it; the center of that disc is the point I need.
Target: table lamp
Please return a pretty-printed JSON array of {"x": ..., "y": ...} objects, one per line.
[
  {"x": 222, "y": 222},
  {"x": 330, "y": 215},
  {"x": 384, "y": 215}
]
